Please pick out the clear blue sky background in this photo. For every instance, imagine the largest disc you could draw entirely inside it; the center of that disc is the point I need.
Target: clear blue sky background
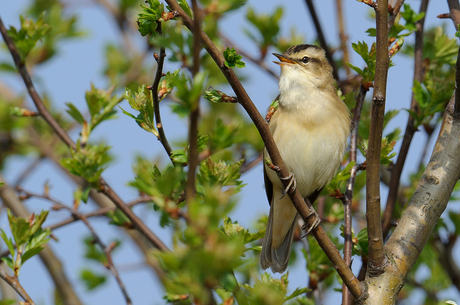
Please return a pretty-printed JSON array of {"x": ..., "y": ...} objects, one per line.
[{"x": 81, "y": 62}]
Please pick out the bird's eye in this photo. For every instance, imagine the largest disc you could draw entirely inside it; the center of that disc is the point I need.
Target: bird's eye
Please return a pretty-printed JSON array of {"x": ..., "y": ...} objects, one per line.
[{"x": 305, "y": 59}]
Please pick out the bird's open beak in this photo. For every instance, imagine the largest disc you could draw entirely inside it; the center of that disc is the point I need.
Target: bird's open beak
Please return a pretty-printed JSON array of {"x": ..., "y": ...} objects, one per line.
[{"x": 283, "y": 60}]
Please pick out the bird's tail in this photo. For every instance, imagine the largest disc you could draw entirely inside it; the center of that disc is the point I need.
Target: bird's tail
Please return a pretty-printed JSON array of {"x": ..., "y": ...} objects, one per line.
[{"x": 276, "y": 259}]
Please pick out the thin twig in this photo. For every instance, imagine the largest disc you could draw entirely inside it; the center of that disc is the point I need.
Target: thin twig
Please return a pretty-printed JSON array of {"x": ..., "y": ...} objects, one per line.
[
  {"x": 410, "y": 128},
  {"x": 377, "y": 258},
  {"x": 304, "y": 210},
  {"x": 14, "y": 283},
  {"x": 20, "y": 65},
  {"x": 258, "y": 62},
  {"x": 247, "y": 166},
  {"x": 343, "y": 37},
  {"x": 348, "y": 244},
  {"x": 156, "y": 102},
  {"x": 394, "y": 13},
  {"x": 28, "y": 170},
  {"x": 321, "y": 38},
  {"x": 107, "y": 249}
]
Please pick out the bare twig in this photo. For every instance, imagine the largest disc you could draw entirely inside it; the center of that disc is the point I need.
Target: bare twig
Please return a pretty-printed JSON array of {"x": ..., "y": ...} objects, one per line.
[
  {"x": 20, "y": 65},
  {"x": 156, "y": 102},
  {"x": 49, "y": 259},
  {"x": 343, "y": 36},
  {"x": 394, "y": 13},
  {"x": 107, "y": 249},
  {"x": 247, "y": 166},
  {"x": 321, "y": 38},
  {"x": 28, "y": 170},
  {"x": 14, "y": 283},
  {"x": 447, "y": 259},
  {"x": 195, "y": 112},
  {"x": 348, "y": 244},
  {"x": 304, "y": 210},
  {"x": 376, "y": 256},
  {"x": 410, "y": 128}
]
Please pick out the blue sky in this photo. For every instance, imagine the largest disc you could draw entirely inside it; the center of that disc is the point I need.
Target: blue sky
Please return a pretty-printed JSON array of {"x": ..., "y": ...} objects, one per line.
[{"x": 81, "y": 62}]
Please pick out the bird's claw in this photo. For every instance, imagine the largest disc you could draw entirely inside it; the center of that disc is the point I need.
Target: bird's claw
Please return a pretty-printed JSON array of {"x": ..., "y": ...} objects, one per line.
[
  {"x": 315, "y": 223},
  {"x": 291, "y": 186}
]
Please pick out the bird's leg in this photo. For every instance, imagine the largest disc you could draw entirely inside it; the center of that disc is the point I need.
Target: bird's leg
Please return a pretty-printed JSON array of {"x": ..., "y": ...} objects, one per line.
[
  {"x": 291, "y": 185},
  {"x": 314, "y": 214},
  {"x": 315, "y": 223}
]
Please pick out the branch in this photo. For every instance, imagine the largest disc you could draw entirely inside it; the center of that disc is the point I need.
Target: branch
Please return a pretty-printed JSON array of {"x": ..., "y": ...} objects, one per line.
[
  {"x": 454, "y": 12},
  {"x": 156, "y": 102},
  {"x": 424, "y": 210},
  {"x": 195, "y": 113},
  {"x": 258, "y": 62},
  {"x": 342, "y": 36},
  {"x": 304, "y": 210},
  {"x": 410, "y": 128},
  {"x": 20, "y": 65},
  {"x": 321, "y": 38},
  {"x": 348, "y": 244},
  {"x": 14, "y": 283},
  {"x": 374, "y": 227},
  {"x": 100, "y": 199},
  {"x": 107, "y": 249},
  {"x": 52, "y": 264},
  {"x": 446, "y": 259},
  {"x": 394, "y": 13}
]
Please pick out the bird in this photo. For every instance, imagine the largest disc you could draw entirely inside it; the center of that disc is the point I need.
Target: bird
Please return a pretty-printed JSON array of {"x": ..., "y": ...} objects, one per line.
[{"x": 310, "y": 128}]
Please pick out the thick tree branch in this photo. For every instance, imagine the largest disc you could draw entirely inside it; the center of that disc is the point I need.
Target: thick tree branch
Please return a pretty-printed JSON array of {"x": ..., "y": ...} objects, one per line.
[
  {"x": 410, "y": 128},
  {"x": 321, "y": 38},
  {"x": 20, "y": 65},
  {"x": 374, "y": 227},
  {"x": 425, "y": 208},
  {"x": 304, "y": 210},
  {"x": 454, "y": 12}
]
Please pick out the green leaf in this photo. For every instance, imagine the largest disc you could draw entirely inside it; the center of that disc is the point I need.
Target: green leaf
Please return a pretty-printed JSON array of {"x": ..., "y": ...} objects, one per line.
[
  {"x": 149, "y": 16},
  {"x": 75, "y": 113},
  {"x": 91, "y": 279},
  {"x": 233, "y": 59},
  {"x": 28, "y": 35},
  {"x": 88, "y": 162},
  {"x": 8, "y": 242},
  {"x": 267, "y": 27},
  {"x": 119, "y": 218}
]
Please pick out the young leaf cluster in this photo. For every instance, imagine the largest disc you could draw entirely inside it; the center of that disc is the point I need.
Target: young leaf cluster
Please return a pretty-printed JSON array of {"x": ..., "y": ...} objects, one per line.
[
  {"x": 28, "y": 237},
  {"x": 88, "y": 162}
]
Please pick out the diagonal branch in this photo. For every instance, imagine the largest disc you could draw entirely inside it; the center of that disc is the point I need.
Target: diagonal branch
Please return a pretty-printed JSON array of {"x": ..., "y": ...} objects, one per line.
[
  {"x": 454, "y": 12},
  {"x": 307, "y": 214},
  {"x": 20, "y": 65},
  {"x": 14, "y": 283},
  {"x": 394, "y": 13},
  {"x": 374, "y": 227}
]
